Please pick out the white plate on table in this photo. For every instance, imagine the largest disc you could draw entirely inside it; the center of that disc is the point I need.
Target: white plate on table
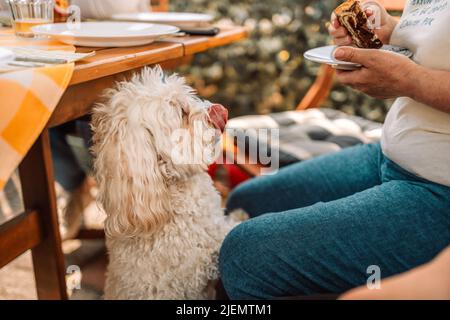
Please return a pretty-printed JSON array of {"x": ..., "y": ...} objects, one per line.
[
  {"x": 105, "y": 34},
  {"x": 179, "y": 19},
  {"x": 325, "y": 55},
  {"x": 6, "y": 55}
]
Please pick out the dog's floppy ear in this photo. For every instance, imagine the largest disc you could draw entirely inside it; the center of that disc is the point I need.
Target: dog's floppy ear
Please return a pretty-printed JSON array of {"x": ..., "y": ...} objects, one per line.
[{"x": 132, "y": 188}]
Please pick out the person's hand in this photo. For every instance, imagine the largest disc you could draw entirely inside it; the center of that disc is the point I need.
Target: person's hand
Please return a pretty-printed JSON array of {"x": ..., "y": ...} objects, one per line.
[
  {"x": 383, "y": 74},
  {"x": 374, "y": 11}
]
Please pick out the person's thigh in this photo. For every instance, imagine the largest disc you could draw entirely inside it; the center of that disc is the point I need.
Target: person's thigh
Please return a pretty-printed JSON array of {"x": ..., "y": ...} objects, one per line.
[
  {"x": 328, "y": 247},
  {"x": 325, "y": 178},
  {"x": 68, "y": 171}
]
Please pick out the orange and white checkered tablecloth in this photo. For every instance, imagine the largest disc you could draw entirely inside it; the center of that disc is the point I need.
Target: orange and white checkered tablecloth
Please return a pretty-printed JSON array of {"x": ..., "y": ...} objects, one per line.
[{"x": 27, "y": 99}]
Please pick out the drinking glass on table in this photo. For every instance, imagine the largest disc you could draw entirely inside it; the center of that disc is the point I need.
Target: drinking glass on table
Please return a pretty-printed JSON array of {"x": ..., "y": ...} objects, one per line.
[{"x": 26, "y": 14}]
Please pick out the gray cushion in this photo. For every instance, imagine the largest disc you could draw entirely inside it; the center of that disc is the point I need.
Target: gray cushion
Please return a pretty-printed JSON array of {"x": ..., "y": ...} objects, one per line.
[{"x": 306, "y": 134}]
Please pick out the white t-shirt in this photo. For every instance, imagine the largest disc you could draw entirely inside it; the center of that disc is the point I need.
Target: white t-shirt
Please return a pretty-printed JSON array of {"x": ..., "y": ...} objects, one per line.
[
  {"x": 417, "y": 136},
  {"x": 101, "y": 9}
]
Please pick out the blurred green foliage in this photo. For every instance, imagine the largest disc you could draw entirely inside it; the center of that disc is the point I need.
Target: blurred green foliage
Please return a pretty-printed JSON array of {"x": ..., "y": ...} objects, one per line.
[{"x": 267, "y": 72}]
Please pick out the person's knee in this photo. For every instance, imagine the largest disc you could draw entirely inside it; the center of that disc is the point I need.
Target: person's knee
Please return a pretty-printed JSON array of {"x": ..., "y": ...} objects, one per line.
[
  {"x": 245, "y": 197},
  {"x": 234, "y": 255},
  {"x": 257, "y": 250},
  {"x": 241, "y": 252}
]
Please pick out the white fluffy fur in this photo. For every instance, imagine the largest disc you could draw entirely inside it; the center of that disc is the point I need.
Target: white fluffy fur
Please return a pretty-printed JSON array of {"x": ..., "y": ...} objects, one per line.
[{"x": 165, "y": 223}]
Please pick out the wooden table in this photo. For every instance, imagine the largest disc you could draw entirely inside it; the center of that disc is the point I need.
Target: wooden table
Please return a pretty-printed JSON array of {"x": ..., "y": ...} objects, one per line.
[{"x": 37, "y": 229}]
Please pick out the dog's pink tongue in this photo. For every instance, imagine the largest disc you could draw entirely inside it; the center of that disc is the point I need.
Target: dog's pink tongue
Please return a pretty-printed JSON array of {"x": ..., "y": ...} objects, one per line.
[{"x": 218, "y": 115}]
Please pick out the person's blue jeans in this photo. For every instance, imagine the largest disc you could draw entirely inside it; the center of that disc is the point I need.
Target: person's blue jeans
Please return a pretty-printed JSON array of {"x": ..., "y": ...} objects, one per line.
[
  {"x": 317, "y": 226},
  {"x": 68, "y": 171}
]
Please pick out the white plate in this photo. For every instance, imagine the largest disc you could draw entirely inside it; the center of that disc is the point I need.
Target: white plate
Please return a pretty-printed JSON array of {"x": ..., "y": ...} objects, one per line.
[
  {"x": 326, "y": 55},
  {"x": 106, "y": 34},
  {"x": 6, "y": 55},
  {"x": 179, "y": 19}
]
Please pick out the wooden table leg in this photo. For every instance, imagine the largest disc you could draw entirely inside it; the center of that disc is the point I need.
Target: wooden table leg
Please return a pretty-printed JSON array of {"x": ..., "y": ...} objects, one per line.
[{"x": 36, "y": 174}]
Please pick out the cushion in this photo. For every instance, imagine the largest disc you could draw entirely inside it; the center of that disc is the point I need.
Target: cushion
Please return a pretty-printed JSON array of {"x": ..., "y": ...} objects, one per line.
[{"x": 304, "y": 134}]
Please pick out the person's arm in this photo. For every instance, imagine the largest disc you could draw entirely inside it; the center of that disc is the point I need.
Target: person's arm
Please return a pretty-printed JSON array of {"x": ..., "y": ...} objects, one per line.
[
  {"x": 389, "y": 75},
  {"x": 430, "y": 281},
  {"x": 102, "y": 9},
  {"x": 144, "y": 6}
]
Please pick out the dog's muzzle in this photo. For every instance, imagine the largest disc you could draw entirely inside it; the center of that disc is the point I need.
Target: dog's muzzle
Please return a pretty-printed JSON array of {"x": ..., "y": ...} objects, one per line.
[{"x": 218, "y": 116}]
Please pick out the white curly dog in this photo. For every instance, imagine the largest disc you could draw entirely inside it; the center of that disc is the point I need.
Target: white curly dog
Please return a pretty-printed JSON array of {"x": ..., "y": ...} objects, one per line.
[{"x": 153, "y": 140}]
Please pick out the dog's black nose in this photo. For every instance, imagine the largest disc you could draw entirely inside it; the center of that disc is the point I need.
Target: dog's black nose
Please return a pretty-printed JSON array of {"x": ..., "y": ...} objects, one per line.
[{"x": 218, "y": 115}]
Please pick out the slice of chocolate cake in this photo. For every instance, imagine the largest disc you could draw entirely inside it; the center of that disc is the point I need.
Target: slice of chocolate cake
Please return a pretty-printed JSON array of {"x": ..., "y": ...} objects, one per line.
[{"x": 354, "y": 19}]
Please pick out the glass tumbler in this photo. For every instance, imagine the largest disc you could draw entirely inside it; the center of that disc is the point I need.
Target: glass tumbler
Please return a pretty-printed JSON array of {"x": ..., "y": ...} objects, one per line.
[{"x": 26, "y": 14}]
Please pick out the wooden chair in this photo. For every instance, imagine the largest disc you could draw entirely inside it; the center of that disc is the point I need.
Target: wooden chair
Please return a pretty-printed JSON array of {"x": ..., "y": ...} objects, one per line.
[{"x": 314, "y": 98}]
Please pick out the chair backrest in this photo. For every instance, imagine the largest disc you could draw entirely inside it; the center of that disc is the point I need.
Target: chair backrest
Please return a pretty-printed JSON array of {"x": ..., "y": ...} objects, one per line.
[{"x": 160, "y": 5}]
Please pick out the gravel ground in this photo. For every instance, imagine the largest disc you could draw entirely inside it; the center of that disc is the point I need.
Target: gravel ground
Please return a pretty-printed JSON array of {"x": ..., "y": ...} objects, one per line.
[{"x": 17, "y": 280}]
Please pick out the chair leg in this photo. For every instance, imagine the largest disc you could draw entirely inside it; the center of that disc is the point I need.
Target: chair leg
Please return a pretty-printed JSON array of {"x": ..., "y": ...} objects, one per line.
[
  {"x": 320, "y": 89},
  {"x": 36, "y": 174}
]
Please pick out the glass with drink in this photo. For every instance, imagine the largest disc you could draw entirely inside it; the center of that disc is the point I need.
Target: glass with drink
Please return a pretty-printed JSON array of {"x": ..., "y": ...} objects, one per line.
[{"x": 26, "y": 14}]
